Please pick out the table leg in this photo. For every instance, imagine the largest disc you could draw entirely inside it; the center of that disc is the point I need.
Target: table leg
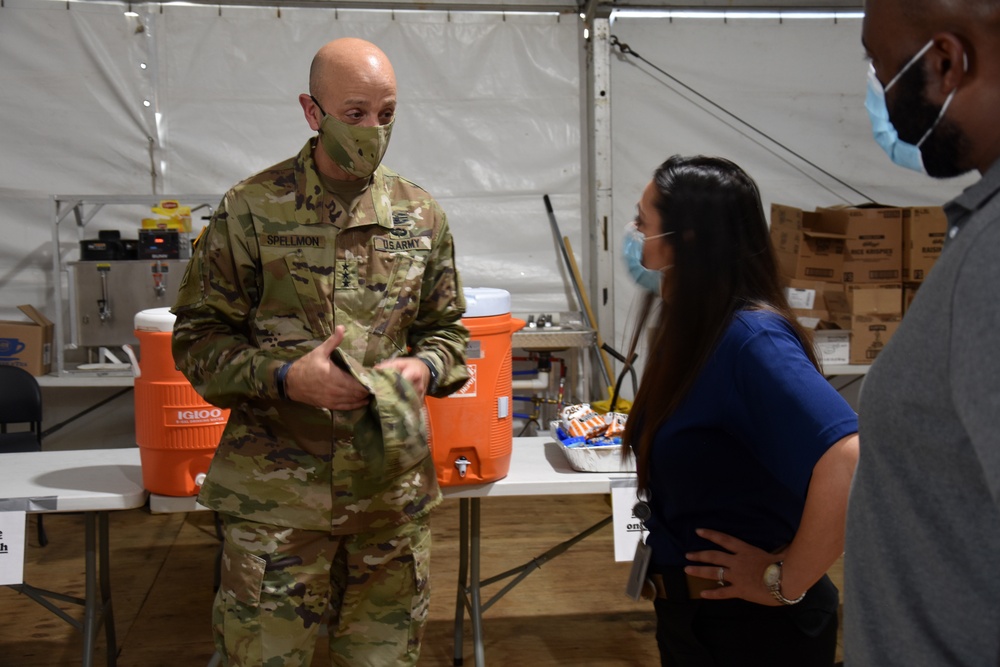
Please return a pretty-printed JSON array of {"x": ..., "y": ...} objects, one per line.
[
  {"x": 463, "y": 578},
  {"x": 97, "y": 612},
  {"x": 107, "y": 611},
  {"x": 476, "y": 610},
  {"x": 90, "y": 587}
]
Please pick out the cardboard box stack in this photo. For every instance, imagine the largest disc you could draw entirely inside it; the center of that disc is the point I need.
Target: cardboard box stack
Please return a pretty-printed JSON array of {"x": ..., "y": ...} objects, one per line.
[
  {"x": 871, "y": 313},
  {"x": 924, "y": 231},
  {"x": 845, "y": 268},
  {"x": 27, "y": 344}
]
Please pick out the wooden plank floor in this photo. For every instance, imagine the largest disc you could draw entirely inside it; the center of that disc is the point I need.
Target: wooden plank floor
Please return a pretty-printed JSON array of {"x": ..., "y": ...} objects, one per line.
[{"x": 572, "y": 611}]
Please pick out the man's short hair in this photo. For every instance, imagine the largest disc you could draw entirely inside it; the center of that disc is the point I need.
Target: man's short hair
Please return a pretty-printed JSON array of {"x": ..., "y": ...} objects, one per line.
[{"x": 919, "y": 11}]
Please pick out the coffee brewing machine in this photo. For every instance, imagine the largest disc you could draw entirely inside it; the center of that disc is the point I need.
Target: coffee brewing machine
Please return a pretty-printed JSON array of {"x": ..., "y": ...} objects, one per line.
[{"x": 117, "y": 278}]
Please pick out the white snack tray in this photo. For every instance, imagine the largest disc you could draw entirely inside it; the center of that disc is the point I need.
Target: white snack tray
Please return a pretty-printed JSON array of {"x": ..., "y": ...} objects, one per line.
[{"x": 594, "y": 459}]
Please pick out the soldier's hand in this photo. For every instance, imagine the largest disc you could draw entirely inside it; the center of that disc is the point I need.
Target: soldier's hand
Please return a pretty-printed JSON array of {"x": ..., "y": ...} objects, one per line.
[
  {"x": 316, "y": 380},
  {"x": 413, "y": 371}
]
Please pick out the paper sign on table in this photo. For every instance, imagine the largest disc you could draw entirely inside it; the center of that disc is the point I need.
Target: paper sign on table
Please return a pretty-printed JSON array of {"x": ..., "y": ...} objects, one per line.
[
  {"x": 12, "y": 548},
  {"x": 628, "y": 529}
]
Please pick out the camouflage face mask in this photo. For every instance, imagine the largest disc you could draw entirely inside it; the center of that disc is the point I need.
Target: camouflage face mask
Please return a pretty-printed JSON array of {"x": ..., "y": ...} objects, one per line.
[{"x": 357, "y": 150}]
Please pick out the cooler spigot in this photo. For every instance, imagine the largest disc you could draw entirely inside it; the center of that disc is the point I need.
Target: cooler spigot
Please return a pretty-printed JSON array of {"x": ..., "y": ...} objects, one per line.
[{"x": 462, "y": 464}]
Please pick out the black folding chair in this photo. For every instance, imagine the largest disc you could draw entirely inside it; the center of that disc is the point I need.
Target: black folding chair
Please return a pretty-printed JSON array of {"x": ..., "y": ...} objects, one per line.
[{"x": 21, "y": 403}]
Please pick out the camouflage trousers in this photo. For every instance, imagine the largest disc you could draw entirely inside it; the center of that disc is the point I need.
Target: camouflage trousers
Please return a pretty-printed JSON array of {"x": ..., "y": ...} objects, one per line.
[{"x": 280, "y": 585}]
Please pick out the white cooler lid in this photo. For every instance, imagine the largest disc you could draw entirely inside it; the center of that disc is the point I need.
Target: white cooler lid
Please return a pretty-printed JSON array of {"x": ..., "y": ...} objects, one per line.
[
  {"x": 155, "y": 319},
  {"x": 486, "y": 301}
]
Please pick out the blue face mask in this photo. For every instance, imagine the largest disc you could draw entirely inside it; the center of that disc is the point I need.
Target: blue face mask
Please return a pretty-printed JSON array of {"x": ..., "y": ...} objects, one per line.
[
  {"x": 900, "y": 152},
  {"x": 632, "y": 249}
]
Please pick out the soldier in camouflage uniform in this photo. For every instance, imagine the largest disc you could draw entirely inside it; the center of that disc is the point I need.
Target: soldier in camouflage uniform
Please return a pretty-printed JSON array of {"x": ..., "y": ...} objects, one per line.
[{"x": 320, "y": 305}]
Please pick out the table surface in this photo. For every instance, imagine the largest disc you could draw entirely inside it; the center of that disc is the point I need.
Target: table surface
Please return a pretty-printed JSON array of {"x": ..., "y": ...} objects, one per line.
[
  {"x": 537, "y": 468},
  {"x": 86, "y": 480},
  {"x": 76, "y": 379}
]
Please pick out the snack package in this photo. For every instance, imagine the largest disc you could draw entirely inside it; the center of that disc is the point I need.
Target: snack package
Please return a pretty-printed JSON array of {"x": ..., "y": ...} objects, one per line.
[
  {"x": 616, "y": 424},
  {"x": 604, "y": 441},
  {"x": 581, "y": 421},
  {"x": 571, "y": 411}
]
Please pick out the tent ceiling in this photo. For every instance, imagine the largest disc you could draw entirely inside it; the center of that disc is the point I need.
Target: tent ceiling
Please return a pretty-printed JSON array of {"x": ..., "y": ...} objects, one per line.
[
  {"x": 739, "y": 5},
  {"x": 547, "y": 5}
]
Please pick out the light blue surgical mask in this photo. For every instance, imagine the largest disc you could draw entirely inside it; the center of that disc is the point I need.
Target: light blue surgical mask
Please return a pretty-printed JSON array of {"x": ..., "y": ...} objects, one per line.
[
  {"x": 900, "y": 152},
  {"x": 632, "y": 250}
]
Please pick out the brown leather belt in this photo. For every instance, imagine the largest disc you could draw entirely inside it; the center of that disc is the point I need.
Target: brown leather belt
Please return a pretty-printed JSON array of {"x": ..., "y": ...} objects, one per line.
[{"x": 675, "y": 587}]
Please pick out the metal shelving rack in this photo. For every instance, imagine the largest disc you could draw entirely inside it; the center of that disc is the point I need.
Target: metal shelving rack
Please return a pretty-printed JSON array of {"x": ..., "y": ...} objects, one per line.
[{"x": 83, "y": 209}]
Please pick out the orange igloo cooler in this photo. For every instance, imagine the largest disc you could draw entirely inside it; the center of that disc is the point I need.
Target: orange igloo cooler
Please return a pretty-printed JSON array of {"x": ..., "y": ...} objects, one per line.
[
  {"x": 176, "y": 430},
  {"x": 471, "y": 431}
]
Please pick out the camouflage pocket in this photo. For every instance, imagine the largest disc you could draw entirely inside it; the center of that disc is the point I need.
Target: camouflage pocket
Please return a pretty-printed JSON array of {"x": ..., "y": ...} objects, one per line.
[
  {"x": 236, "y": 615},
  {"x": 298, "y": 287},
  {"x": 401, "y": 276},
  {"x": 242, "y": 575},
  {"x": 421, "y": 547},
  {"x": 420, "y": 544}
]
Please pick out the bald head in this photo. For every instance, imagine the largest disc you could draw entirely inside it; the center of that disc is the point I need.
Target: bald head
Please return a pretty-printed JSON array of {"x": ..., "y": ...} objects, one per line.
[
  {"x": 349, "y": 61},
  {"x": 352, "y": 81}
]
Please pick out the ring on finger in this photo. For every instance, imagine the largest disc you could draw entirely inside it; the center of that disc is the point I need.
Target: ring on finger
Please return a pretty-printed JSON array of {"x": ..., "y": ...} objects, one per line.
[{"x": 721, "y": 578}]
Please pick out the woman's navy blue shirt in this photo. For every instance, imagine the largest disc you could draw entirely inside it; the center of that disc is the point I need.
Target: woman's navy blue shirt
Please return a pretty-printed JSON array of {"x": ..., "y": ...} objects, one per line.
[{"x": 738, "y": 453}]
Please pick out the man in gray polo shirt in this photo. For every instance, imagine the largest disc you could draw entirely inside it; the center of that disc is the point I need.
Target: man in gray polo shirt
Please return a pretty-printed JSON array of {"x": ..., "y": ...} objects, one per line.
[{"x": 922, "y": 580}]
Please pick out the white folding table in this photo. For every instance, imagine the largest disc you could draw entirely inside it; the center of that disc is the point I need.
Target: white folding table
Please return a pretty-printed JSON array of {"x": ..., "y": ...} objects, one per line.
[
  {"x": 537, "y": 468},
  {"x": 91, "y": 481}
]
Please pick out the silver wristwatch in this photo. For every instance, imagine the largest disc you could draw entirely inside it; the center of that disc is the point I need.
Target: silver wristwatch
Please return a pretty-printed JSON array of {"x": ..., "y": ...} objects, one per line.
[{"x": 772, "y": 579}]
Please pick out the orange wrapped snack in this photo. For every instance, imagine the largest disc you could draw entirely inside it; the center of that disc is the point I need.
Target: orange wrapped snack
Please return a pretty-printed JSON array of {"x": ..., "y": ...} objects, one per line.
[
  {"x": 581, "y": 421},
  {"x": 616, "y": 424}
]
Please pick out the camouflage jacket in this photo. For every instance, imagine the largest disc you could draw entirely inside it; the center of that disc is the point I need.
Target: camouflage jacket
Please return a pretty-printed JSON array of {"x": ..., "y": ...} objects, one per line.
[{"x": 279, "y": 266}]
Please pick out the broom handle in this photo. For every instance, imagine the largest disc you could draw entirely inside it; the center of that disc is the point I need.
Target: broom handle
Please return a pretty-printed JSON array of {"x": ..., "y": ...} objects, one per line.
[
  {"x": 582, "y": 291},
  {"x": 577, "y": 285}
]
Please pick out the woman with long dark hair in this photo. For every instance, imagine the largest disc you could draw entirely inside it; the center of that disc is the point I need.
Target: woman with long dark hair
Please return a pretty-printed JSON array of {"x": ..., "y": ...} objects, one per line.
[{"x": 744, "y": 451}]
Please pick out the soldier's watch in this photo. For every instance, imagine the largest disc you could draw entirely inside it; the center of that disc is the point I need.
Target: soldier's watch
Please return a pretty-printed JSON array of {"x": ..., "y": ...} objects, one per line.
[{"x": 772, "y": 579}]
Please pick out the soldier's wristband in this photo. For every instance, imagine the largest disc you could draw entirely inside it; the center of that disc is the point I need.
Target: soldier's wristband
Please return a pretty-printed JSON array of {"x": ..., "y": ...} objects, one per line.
[
  {"x": 433, "y": 383},
  {"x": 279, "y": 380}
]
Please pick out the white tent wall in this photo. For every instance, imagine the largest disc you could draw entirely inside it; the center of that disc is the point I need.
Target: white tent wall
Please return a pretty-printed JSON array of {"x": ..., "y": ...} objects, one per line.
[
  {"x": 489, "y": 120},
  {"x": 801, "y": 82}
]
